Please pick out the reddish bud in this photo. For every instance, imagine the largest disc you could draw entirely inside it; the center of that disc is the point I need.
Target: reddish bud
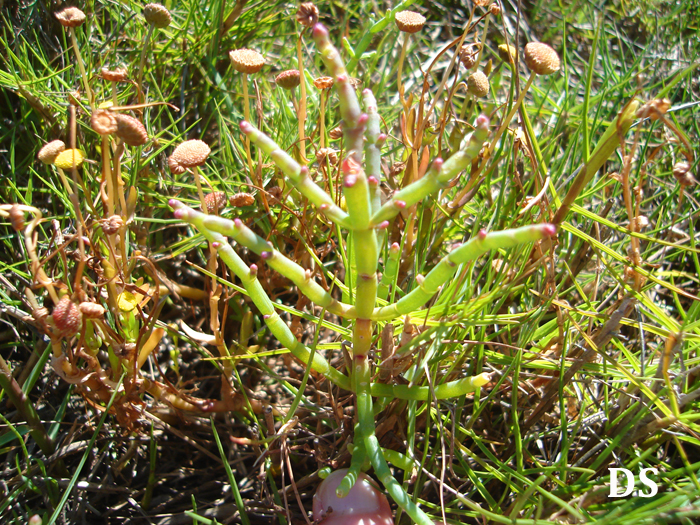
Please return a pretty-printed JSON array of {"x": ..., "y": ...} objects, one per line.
[{"x": 67, "y": 317}]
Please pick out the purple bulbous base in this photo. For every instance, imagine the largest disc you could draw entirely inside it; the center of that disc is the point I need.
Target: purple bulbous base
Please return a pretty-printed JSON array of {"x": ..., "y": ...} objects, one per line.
[{"x": 365, "y": 504}]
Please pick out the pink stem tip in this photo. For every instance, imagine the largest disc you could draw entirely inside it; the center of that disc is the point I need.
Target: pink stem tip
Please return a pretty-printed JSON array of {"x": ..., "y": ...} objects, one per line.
[
  {"x": 320, "y": 30},
  {"x": 482, "y": 121},
  {"x": 550, "y": 230}
]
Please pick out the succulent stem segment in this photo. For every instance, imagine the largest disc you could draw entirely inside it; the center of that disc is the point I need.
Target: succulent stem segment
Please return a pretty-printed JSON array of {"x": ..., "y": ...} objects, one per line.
[{"x": 365, "y": 221}]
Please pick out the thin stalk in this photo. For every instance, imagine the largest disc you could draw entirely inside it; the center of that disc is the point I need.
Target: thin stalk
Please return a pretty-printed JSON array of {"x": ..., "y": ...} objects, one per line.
[
  {"x": 246, "y": 113},
  {"x": 142, "y": 62},
  {"x": 107, "y": 174},
  {"x": 81, "y": 66},
  {"x": 322, "y": 118},
  {"x": 200, "y": 192},
  {"x": 301, "y": 113},
  {"x": 399, "y": 73}
]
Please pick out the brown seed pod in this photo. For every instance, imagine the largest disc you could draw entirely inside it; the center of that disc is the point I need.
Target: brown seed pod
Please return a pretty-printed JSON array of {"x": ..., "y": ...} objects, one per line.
[
  {"x": 175, "y": 167},
  {"x": 50, "y": 151},
  {"x": 130, "y": 130},
  {"x": 91, "y": 310},
  {"x": 70, "y": 17},
  {"x": 396, "y": 168},
  {"x": 409, "y": 21},
  {"x": 325, "y": 156},
  {"x": 355, "y": 82},
  {"x": 541, "y": 58},
  {"x": 288, "y": 79},
  {"x": 16, "y": 218},
  {"x": 215, "y": 201},
  {"x": 246, "y": 60},
  {"x": 478, "y": 84},
  {"x": 468, "y": 55},
  {"x": 507, "y": 53},
  {"x": 104, "y": 121},
  {"x": 307, "y": 14},
  {"x": 111, "y": 225},
  {"x": 242, "y": 199},
  {"x": 119, "y": 74},
  {"x": 67, "y": 317},
  {"x": 324, "y": 82},
  {"x": 681, "y": 171},
  {"x": 157, "y": 15},
  {"x": 495, "y": 9},
  {"x": 654, "y": 108},
  {"x": 335, "y": 133},
  {"x": 275, "y": 193},
  {"x": 191, "y": 153}
]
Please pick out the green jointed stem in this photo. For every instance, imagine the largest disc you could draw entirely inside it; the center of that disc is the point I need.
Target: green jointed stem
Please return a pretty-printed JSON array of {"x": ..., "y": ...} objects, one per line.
[
  {"x": 273, "y": 258},
  {"x": 356, "y": 192},
  {"x": 356, "y": 462},
  {"x": 438, "y": 176},
  {"x": 447, "y": 267},
  {"x": 298, "y": 175},
  {"x": 366, "y": 258},
  {"x": 391, "y": 268},
  {"x": 373, "y": 146},
  {"x": 353, "y": 119},
  {"x": 365, "y": 426},
  {"x": 256, "y": 292},
  {"x": 451, "y": 389}
]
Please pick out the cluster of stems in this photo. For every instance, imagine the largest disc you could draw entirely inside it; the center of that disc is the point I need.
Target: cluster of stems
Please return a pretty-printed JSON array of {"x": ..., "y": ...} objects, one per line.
[{"x": 365, "y": 222}]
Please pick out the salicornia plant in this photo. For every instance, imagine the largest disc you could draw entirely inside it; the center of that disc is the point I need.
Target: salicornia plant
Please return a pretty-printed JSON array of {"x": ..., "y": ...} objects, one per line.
[{"x": 363, "y": 220}]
